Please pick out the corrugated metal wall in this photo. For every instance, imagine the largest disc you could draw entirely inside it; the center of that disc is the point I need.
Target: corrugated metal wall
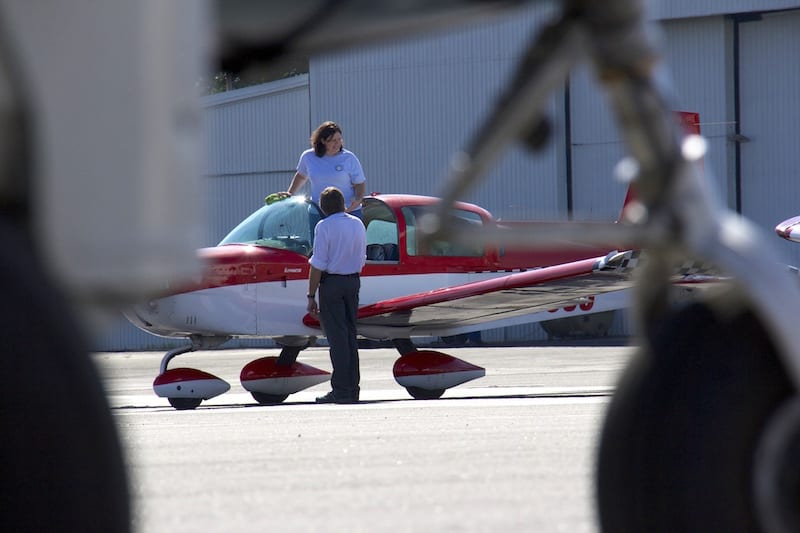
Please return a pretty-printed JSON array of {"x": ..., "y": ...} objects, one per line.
[
  {"x": 770, "y": 119},
  {"x": 256, "y": 135},
  {"x": 666, "y": 9},
  {"x": 406, "y": 107}
]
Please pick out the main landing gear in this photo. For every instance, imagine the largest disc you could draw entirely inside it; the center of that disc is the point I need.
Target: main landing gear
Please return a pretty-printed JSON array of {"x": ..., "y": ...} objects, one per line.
[
  {"x": 425, "y": 374},
  {"x": 186, "y": 388},
  {"x": 270, "y": 380}
]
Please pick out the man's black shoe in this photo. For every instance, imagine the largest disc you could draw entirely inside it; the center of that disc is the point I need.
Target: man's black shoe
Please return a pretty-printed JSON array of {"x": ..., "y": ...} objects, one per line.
[
  {"x": 328, "y": 398},
  {"x": 331, "y": 398}
]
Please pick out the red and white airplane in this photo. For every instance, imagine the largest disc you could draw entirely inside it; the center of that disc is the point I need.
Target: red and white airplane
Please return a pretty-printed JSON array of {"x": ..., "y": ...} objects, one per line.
[{"x": 255, "y": 281}]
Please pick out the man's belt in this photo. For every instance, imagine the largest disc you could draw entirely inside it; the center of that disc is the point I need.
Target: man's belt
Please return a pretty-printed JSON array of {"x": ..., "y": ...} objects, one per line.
[{"x": 328, "y": 274}]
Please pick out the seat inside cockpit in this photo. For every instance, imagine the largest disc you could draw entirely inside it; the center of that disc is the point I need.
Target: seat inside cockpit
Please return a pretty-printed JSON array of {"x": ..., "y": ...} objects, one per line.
[{"x": 381, "y": 232}]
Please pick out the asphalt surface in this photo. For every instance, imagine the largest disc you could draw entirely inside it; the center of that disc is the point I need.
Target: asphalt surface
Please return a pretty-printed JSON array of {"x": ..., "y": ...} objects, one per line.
[{"x": 513, "y": 451}]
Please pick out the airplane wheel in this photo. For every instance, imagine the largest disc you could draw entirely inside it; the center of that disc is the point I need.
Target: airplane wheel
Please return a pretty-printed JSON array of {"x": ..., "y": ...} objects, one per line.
[
  {"x": 684, "y": 428},
  {"x": 185, "y": 404},
  {"x": 777, "y": 470},
  {"x": 62, "y": 467},
  {"x": 269, "y": 399},
  {"x": 424, "y": 394}
]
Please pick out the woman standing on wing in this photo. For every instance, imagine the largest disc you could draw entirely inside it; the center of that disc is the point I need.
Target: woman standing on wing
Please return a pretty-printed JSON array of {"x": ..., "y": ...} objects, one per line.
[{"x": 328, "y": 164}]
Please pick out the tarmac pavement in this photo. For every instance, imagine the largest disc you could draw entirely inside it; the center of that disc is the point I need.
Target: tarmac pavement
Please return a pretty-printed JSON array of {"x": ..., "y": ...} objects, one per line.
[{"x": 513, "y": 451}]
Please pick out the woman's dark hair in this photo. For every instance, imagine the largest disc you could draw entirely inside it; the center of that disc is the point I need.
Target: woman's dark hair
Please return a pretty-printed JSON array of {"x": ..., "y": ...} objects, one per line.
[
  {"x": 325, "y": 131},
  {"x": 331, "y": 201}
]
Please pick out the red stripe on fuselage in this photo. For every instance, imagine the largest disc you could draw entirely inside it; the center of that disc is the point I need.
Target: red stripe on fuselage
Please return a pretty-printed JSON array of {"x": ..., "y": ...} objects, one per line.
[{"x": 236, "y": 264}]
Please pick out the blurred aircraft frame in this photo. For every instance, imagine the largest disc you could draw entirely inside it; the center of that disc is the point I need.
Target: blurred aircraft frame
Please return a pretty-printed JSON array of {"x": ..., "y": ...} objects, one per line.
[{"x": 703, "y": 429}]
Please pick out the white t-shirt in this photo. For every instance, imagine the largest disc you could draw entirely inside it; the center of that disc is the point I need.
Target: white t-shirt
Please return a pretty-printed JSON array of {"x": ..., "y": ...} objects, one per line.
[{"x": 342, "y": 171}]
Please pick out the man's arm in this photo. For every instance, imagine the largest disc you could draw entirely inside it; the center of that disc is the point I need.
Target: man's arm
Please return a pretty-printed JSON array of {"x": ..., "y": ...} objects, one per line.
[{"x": 314, "y": 275}]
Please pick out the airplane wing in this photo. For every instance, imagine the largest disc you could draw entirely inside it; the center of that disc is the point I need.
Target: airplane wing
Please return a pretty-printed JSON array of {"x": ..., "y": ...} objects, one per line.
[{"x": 486, "y": 301}]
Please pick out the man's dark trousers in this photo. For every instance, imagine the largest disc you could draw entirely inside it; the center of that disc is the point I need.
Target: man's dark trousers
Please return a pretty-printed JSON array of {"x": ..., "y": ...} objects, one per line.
[{"x": 338, "y": 306}]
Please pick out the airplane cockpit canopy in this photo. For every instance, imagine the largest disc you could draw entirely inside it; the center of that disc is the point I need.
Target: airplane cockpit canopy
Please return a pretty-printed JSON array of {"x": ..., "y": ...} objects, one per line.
[{"x": 286, "y": 224}]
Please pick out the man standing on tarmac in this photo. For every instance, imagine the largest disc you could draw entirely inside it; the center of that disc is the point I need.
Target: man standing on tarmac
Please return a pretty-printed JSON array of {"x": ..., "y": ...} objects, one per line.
[{"x": 340, "y": 245}]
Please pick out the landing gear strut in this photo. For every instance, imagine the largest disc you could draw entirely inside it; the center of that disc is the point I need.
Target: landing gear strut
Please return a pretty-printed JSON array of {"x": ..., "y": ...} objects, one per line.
[{"x": 186, "y": 388}]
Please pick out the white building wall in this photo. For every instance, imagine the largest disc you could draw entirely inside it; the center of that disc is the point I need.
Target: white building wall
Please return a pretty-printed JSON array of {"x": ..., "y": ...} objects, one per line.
[
  {"x": 406, "y": 108},
  {"x": 672, "y": 9},
  {"x": 770, "y": 119},
  {"x": 256, "y": 135},
  {"x": 698, "y": 84}
]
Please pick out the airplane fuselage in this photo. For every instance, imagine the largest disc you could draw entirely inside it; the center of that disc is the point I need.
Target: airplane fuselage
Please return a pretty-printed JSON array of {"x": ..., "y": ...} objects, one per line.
[{"x": 258, "y": 288}]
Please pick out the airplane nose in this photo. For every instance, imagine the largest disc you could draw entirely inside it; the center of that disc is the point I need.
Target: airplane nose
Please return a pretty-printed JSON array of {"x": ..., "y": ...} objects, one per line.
[{"x": 150, "y": 316}]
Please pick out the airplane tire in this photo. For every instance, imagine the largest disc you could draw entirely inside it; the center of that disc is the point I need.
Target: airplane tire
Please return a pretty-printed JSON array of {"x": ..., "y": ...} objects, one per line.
[
  {"x": 682, "y": 431},
  {"x": 777, "y": 472},
  {"x": 62, "y": 463},
  {"x": 424, "y": 394},
  {"x": 269, "y": 399},
  {"x": 185, "y": 404}
]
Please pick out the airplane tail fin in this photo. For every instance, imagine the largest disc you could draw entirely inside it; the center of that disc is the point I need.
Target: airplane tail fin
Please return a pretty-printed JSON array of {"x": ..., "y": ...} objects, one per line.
[
  {"x": 629, "y": 205},
  {"x": 690, "y": 122}
]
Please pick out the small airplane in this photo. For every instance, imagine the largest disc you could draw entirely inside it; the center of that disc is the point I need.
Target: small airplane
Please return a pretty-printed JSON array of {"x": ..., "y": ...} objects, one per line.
[
  {"x": 789, "y": 229},
  {"x": 255, "y": 281}
]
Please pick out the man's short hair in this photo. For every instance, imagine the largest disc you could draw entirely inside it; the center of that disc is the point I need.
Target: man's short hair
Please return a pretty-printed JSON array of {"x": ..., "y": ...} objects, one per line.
[{"x": 331, "y": 201}]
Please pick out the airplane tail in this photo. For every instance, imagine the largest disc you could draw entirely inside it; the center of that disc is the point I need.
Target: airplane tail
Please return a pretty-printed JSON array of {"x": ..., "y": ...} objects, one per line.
[
  {"x": 690, "y": 122},
  {"x": 629, "y": 205}
]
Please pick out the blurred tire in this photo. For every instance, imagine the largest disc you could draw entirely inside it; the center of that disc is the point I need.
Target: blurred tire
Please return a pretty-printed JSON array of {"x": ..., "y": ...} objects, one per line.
[
  {"x": 680, "y": 436},
  {"x": 62, "y": 465}
]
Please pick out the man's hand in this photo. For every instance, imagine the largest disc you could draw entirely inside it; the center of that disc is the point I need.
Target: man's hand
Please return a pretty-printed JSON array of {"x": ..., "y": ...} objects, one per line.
[{"x": 312, "y": 307}]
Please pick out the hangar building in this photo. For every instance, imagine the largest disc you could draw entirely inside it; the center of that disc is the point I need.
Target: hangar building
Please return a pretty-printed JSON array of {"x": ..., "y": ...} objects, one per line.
[{"x": 406, "y": 107}]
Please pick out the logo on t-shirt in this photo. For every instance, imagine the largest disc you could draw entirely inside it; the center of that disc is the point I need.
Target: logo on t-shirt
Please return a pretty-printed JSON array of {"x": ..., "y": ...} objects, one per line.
[{"x": 339, "y": 168}]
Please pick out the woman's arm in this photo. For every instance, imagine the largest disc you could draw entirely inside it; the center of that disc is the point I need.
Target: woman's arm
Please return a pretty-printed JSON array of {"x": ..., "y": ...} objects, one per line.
[
  {"x": 297, "y": 183},
  {"x": 359, "y": 190}
]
